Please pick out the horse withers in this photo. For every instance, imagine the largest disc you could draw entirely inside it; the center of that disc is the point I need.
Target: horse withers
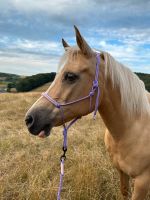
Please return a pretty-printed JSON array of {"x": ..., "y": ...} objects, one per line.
[{"x": 124, "y": 106}]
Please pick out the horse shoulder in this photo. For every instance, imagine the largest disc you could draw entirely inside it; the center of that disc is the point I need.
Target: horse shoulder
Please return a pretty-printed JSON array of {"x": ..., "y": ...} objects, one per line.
[{"x": 129, "y": 153}]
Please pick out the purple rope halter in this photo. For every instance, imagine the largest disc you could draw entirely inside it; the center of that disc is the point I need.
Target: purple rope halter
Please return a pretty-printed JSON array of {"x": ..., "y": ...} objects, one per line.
[{"x": 95, "y": 88}]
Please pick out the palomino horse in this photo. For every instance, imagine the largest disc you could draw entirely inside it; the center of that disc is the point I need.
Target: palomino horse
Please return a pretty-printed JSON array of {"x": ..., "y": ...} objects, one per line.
[{"x": 124, "y": 106}]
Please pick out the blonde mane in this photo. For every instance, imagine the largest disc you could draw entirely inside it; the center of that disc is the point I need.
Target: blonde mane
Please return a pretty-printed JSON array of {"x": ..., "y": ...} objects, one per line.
[
  {"x": 132, "y": 90},
  {"x": 133, "y": 94}
]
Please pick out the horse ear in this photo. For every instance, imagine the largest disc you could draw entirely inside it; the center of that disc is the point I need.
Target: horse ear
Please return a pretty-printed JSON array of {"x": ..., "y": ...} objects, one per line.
[
  {"x": 82, "y": 44},
  {"x": 65, "y": 44}
]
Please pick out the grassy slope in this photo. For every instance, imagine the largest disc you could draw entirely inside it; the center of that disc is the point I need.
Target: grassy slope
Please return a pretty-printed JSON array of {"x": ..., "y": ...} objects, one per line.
[
  {"x": 42, "y": 88},
  {"x": 29, "y": 166}
]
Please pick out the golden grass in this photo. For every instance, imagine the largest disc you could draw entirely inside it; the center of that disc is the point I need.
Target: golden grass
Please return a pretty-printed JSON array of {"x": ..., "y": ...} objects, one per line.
[{"x": 30, "y": 167}]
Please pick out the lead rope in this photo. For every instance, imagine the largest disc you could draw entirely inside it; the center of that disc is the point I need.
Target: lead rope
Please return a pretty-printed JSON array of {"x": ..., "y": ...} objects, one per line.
[
  {"x": 65, "y": 131},
  {"x": 63, "y": 156}
]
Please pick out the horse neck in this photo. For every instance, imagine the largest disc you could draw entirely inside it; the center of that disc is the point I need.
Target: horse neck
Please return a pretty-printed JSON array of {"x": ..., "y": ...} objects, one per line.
[{"x": 111, "y": 111}]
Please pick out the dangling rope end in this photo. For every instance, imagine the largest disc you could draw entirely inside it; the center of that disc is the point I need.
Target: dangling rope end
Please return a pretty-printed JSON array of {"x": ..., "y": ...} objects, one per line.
[
  {"x": 94, "y": 117},
  {"x": 62, "y": 166}
]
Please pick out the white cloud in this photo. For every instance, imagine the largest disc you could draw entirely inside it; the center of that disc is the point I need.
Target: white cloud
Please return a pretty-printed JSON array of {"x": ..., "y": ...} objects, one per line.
[
  {"x": 26, "y": 64},
  {"x": 48, "y": 6},
  {"x": 126, "y": 45},
  {"x": 61, "y": 6},
  {"x": 134, "y": 57},
  {"x": 34, "y": 45},
  {"x": 39, "y": 56},
  {"x": 23, "y": 56},
  {"x": 26, "y": 57},
  {"x": 124, "y": 36}
]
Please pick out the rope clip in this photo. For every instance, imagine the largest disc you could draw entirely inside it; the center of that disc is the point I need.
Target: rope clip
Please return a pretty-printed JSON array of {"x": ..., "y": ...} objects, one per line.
[{"x": 63, "y": 156}]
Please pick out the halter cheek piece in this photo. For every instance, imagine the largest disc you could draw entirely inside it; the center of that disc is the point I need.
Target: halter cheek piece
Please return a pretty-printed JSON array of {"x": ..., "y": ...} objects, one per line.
[{"x": 95, "y": 88}]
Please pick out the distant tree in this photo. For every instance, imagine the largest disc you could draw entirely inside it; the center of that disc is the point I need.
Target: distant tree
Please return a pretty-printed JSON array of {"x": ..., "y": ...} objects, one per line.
[
  {"x": 10, "y": 86},
  {"x": 31, "y": 82}
]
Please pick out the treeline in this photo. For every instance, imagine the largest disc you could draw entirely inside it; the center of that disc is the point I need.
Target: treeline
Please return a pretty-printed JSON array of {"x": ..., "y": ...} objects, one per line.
[
  {"x": 146, "y": 79},
  {"x": 31, "y": 82}
]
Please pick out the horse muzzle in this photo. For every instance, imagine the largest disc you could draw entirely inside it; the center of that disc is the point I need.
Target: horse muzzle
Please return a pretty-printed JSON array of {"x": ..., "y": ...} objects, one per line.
[{"x": 38, "y": 122}]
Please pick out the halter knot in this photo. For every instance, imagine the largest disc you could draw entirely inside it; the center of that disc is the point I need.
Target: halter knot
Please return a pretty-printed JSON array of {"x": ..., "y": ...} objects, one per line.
[
  {"x": 95, "y": 84},
  {"x": 91, "y": 93},
  {"x": 58, "y": 105}
]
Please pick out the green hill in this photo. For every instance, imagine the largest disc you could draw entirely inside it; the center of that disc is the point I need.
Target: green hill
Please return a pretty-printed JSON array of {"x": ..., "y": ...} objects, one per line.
[
  {"x": 13, "y": 82},
  {"x": 5, "y": 79}
]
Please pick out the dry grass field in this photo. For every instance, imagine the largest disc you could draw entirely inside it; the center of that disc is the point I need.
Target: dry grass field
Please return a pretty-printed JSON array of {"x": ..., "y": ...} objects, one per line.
[{"x": 30, "y": 167}]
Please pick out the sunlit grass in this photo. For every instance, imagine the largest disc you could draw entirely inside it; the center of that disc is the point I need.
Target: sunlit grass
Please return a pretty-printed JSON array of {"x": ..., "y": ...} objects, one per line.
[{"x": 30, "y": 167}]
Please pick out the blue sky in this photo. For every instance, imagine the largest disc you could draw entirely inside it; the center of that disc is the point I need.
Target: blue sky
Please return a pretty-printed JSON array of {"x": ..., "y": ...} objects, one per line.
[{"x": 31, "y": 32}]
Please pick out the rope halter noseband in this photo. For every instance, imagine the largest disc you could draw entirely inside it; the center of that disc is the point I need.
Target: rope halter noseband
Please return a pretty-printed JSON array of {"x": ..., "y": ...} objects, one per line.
[{"x": 95, "y": 88}]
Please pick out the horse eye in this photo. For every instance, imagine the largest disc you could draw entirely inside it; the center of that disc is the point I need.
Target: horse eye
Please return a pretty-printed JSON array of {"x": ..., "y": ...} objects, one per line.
[{"x": 70, "y": 77}]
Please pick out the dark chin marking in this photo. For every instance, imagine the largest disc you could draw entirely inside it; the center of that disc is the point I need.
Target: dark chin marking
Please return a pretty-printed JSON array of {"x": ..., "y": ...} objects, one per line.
[{"x": 47, "y": 128}]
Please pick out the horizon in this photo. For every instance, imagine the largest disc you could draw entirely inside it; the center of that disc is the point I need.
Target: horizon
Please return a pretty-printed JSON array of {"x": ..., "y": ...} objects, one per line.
[
  {"x": 31, "y": 32},
  {"x": 54, "y": 72}
]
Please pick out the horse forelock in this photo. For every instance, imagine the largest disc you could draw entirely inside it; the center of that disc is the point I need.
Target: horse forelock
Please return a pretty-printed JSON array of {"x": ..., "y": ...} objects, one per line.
[{"x": 71, "y": 54}]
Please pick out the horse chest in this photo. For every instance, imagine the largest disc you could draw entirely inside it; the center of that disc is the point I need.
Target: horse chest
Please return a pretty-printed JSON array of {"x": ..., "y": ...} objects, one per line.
[
  {"x": 126, "y": 156},
  {"x": 120, "y": 159}
]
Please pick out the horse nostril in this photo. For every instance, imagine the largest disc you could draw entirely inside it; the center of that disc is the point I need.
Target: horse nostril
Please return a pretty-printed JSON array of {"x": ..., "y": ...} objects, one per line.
[{"x": 29, "y": 121}]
